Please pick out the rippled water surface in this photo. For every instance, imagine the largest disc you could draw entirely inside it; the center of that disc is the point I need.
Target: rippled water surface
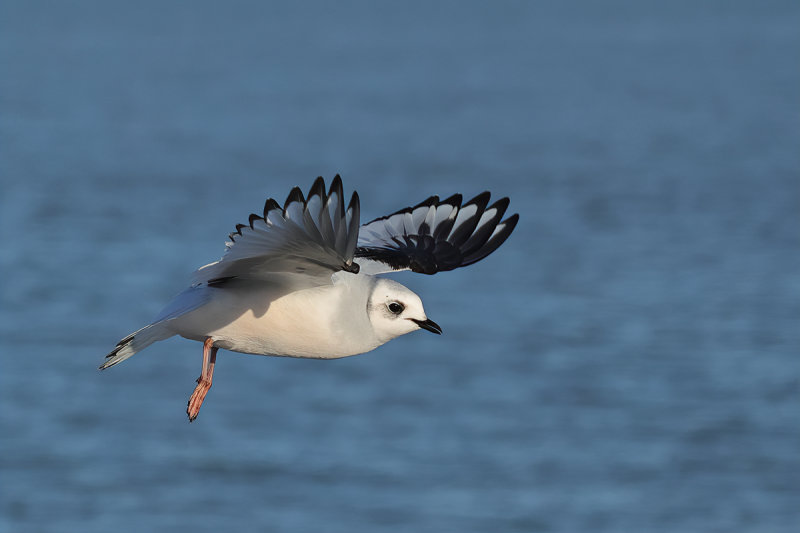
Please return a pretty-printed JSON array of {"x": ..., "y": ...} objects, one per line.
[{"x": 628, "y": 361}]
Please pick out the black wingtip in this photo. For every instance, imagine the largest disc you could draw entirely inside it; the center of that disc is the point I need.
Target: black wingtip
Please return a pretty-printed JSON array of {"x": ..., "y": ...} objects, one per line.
[
  {"x": 510, "y": 223},
  {"x": 354, "y": 201},
  {"x": 336, "y": 185},
  {"x": 485, "y": 228},
  {"x": 270, "y": 205},
  {"x": 466, "y": 227},
  {"x": 461, "y": 234},
  {"x": 296, "y": 195},
  {"x": 494, "y": 242},
  {"x": 318, "y": 188},
  {"x": 428, "y": 202},
  {"x": 454, "y": 200},
  {"x": 501, "y": 205},
  {"x": 354, "y": 211},
  {"x": 481, "y": 200}
]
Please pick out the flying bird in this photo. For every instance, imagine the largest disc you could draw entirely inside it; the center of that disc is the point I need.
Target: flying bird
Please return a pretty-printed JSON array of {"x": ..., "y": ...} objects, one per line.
[{"x": 301, "y": 280}]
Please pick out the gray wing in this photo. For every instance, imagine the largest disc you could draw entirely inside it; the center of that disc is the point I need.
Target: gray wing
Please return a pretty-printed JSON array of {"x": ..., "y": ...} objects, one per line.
[
  {"x": 434, "y": 236},
  {"x": 311, "y": 238}
]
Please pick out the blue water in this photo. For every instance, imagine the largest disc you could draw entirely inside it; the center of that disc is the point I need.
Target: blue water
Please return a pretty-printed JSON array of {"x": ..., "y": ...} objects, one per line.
[{"x": 627, "y": 361}]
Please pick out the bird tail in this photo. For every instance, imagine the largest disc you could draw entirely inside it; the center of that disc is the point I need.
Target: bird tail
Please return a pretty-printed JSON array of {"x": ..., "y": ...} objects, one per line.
[{"x": 136, "y": 342}]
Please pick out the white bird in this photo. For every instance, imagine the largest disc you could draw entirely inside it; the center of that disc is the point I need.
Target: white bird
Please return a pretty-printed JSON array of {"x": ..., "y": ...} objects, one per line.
[{"x": 289, "y": 284}]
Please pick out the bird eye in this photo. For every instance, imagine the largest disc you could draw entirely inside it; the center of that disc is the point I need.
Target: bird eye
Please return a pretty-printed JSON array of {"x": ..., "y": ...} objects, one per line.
[{"x": 396, "y": 308}]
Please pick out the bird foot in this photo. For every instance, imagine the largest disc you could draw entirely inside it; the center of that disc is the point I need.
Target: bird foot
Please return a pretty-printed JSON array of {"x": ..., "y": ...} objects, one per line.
[{"x": 196, "y": 400}]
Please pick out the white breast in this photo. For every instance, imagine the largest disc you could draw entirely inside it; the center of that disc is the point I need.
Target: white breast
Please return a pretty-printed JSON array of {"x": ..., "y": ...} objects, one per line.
[{"x": 323, "y": 322}]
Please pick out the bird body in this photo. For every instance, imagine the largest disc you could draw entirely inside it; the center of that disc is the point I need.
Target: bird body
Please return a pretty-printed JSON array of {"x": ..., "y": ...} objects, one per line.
[
  {"x": 302, "y": 280},
  {"x": 262, "y": 319}
]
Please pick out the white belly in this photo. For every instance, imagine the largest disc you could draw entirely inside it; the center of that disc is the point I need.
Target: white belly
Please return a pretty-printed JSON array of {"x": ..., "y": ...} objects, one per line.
[{"x": 308, "y": 323}]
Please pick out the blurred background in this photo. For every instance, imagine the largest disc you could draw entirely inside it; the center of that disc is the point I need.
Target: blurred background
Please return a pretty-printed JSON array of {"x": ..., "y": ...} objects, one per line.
[{"x": 627, "y": 361}]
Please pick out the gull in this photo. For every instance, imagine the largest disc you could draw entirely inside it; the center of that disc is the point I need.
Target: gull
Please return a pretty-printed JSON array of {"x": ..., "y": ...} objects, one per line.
[{"x": 302, "y": 280}]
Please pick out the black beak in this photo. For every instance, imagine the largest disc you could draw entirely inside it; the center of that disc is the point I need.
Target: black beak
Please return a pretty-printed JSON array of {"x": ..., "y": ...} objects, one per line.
[{"x": 429, "y": 324}]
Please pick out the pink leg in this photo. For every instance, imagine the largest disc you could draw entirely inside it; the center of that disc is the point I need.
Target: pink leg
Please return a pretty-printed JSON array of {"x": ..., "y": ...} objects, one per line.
[{"x": 204, "y": 381}]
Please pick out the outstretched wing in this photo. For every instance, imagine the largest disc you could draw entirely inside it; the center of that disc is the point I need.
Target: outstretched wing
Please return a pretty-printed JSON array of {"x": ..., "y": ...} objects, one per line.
[
  {"x": 434, "y": 236},
  {"x": 312, "y": 237}
]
